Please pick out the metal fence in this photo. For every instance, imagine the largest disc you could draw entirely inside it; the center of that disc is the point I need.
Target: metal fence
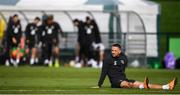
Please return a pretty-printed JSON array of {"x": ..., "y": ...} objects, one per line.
[{"x": 133, "y": 44}]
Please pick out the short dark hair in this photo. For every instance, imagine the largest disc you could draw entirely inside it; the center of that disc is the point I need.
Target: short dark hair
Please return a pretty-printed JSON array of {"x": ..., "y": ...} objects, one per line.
[
  {"x": 75, "y": 20},
  {"x": 87, "y": 18},
  {"x": 50, "y": 17},
  {"x": 15, "y": 15},
  {"x": 37, "y": 18},
  {"x": 116, "y": 45}
]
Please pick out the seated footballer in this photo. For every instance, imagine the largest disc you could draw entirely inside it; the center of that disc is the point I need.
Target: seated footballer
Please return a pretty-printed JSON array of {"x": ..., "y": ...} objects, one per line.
[{"x": 114, "y": 67}]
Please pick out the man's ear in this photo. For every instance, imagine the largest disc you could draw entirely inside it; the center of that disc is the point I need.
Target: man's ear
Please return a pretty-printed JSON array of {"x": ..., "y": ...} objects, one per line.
[{"x": 119, "y": 51}]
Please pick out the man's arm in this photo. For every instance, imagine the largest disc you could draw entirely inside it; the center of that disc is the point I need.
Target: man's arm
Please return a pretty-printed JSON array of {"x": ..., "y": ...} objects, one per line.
[
  {"x": 19, "y": 35},
  {"x": 27, "y": 33},
  {"x": 59, "y": 29},
  {"x": 103, "y": 73},
  {"x": 40, "y": 35},
  {"x": 9, "y": 33},
  {"x": 126, "y": 60}
]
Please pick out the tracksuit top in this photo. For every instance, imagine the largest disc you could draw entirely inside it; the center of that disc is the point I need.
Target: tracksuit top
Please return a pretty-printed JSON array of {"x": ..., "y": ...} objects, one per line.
[
  {"x": 114, "y": 68},
  {"x": 31, "y": 33}
]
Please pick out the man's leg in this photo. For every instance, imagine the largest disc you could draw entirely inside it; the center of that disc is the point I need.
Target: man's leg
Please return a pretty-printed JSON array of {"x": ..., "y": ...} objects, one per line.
[
  {"x": 50, "y": 54},
  {"x": 169, "y": 86},
  {"x": 56, "y": 52},
  {"x": 145, "y": 85},
  {"x": 33, "y": 55},
  {"x": 7, "y": 56},
  {"x": 101, "y": 54},
  {"x": 77, "y": 52},
  {"x": 46, "y": 53}
]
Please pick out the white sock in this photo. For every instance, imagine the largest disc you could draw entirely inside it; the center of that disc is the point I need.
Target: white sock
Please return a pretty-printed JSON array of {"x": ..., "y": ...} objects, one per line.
[
  {"x": 46, "y": 61},
  {"x": 36, "y": 60},
  {"x": 12, "y": 61},
  {"x": 17, "y": 61},
  {"x": 50, "y": 61},
  {"x": 77, "y": 58},
  {"x": 32, "y": 61},
  {"x": 141, "y": 86},
  {"x": 100, "y": 64},
  {"x": 94, "y": 64},
  {"x": 7, "y": 63},
  {"x": 166, "y": 87}
]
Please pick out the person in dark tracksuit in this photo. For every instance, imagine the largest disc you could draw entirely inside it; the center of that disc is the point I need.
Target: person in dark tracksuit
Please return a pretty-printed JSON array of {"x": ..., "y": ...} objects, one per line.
[
  {"x": 31, "y": 33},
  {"x": 84, "y": 43},
  {"x": 97, "y": 44},
  {"x": 13, "y": 36},
  {"x": 90, "y": 36},
  {"x": 50, "y": 40},
  {"x": 114, "y": 67}
]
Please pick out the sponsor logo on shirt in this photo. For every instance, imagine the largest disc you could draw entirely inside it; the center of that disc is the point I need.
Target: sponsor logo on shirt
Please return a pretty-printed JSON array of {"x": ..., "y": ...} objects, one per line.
[
  {"x": 122, "y": 61},
  {"x": 115, "y": 62}
]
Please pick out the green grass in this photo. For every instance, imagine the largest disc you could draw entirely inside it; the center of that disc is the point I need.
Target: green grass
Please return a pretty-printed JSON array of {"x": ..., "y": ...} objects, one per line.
[{"x": 65, "y": 80}]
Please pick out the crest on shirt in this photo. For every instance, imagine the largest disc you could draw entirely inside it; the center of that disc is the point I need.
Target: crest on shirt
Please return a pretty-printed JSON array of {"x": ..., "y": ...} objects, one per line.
[
  {"x": 16, "y": 29},
  {"x": 33, "y": 32},
  {"x": 115, "y": 62}
]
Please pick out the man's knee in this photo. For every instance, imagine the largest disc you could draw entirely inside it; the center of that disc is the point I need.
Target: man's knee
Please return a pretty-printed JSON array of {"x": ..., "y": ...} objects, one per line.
[
  {"x": 56, "y": 50},
  {"x": 125, "y": 84},
  {"x": 34, "y": 49}
]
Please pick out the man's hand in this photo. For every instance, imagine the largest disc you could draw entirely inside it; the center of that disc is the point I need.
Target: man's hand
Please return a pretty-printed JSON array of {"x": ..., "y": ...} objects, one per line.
[
  {"x": 95, "y": 87},
  {"x": 27, "y": 41},
  {"x": 14, "y": 40}
]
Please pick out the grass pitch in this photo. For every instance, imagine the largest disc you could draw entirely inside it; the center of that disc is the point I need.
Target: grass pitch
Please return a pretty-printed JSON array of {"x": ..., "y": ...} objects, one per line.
[{"x": 66, "y": 80}]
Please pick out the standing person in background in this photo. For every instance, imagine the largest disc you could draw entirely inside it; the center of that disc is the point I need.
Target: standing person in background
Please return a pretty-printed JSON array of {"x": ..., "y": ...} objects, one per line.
[
  {"x": 97, "y": 43},
  {"x": 40, "y": 39},
  {"x": 13, "y": 35},
  {"x": 82, "y": 53},
  {"x": 90, "y": 36},
  {"x": 31, "y": 33},
  {"x": 7, "y": 42},
  {"x": 50, "y": 41}
]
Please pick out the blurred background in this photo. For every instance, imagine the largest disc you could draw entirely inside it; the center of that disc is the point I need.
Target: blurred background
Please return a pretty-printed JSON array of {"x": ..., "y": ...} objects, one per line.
[{"x": 148, "y": 30}]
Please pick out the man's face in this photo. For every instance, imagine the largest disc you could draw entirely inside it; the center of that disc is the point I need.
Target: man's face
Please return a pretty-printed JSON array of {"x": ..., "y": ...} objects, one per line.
[
  {"x": 115, "y": 51},
  {"x": 15, "y": 19},
  {"x": 49, "y": 21},
  {"x": 36, "y": 22},
  {"x": 76, "y": 23},
  {"x": 88, "y": 21}
]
